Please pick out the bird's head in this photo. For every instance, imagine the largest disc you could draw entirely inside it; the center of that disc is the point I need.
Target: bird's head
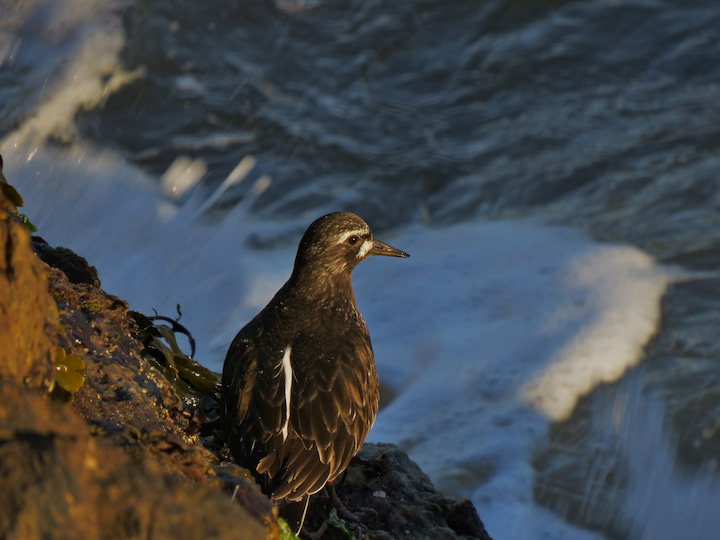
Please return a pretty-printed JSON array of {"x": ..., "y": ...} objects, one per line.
[{"x": 335, "y": 243}]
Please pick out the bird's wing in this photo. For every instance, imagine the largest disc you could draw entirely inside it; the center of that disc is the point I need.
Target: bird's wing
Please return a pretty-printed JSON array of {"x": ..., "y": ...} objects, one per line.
[
  {"x": 333, "y": 403},
  {"x": 332, "y": 408},
  {"x": 253, "y": 402}
]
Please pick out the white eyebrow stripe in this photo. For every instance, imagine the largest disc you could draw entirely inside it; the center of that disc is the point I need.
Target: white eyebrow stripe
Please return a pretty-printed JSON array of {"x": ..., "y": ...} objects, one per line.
[
  {"x": 357, "y": 232},
  {"x": 287, "y": 370}
]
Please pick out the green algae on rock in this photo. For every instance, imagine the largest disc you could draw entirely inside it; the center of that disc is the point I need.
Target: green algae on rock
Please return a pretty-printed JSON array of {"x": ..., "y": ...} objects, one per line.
[
  {"x": 192, "y": 380},
  {"x": 68, "y": 377}
]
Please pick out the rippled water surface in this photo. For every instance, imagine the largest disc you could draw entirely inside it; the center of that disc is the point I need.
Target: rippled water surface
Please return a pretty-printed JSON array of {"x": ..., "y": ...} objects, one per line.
[{"x": 600, "y": 115}]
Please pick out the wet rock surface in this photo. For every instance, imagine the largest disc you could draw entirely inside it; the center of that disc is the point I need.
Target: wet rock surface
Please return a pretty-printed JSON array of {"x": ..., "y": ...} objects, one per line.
[
  {"x": 394, "y": 499},
  {"x": 125, "y": 459}
]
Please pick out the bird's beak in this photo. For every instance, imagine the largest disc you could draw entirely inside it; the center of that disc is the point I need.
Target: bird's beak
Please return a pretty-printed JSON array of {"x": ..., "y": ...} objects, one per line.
[{"x": 381, "y": 248}]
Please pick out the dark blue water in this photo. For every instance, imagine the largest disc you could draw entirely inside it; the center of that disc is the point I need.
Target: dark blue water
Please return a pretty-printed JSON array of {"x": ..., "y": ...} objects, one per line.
[{"x": 601, "y": 113}]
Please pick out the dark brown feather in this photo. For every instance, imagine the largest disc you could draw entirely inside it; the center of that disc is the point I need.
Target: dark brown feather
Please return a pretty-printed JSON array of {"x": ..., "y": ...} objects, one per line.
[{"x": 334, "y": 384}]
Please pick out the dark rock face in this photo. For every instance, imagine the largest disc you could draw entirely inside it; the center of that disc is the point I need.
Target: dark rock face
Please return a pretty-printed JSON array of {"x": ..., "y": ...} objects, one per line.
[
  {"x": 125, "y": 460},
  {"x": 121, "y": 388},
  {"x": 394, "y": 499},
  {"x": 76, "y": 268}
]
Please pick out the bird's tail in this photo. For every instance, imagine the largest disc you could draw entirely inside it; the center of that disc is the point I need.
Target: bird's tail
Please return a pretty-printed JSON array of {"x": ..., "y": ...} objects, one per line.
[{"x": 294, "y": 513}]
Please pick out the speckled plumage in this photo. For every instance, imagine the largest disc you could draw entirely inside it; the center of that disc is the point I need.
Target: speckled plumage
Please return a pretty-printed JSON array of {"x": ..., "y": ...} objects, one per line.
[{"x": 309, "y": 344}]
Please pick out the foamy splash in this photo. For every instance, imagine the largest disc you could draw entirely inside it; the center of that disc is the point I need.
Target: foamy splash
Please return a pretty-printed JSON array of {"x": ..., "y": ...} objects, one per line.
[{"x": 490, "y": 332}]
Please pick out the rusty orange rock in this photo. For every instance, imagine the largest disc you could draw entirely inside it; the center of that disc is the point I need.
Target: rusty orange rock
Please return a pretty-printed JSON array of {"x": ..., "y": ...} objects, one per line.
[{"x": 28, "y": 314}]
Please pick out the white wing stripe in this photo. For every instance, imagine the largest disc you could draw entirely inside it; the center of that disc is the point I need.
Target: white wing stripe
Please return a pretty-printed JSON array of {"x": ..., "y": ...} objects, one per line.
[{"x": 287, "y": 370}]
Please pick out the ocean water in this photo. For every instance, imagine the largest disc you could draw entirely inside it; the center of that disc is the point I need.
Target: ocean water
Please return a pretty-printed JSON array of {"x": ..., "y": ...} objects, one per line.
[{"x": 552, "y": 167}]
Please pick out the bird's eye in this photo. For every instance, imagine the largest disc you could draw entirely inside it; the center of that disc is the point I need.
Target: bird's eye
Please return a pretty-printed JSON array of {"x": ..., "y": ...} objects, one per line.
[{"x": 353, "y": 239}]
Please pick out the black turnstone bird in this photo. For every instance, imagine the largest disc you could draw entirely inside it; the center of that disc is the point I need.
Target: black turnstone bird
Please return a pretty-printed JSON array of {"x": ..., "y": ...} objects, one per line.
[{"x": 300, "y": 389}]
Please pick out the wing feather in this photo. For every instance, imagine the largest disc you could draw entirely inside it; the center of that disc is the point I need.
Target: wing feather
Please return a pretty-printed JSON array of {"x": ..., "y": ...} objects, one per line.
[{"x": 333, "y": 404}]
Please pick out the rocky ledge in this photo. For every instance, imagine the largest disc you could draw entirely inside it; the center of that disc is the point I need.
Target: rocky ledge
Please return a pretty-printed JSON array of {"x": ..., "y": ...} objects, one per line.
[{"x": 100, "y": 440}]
